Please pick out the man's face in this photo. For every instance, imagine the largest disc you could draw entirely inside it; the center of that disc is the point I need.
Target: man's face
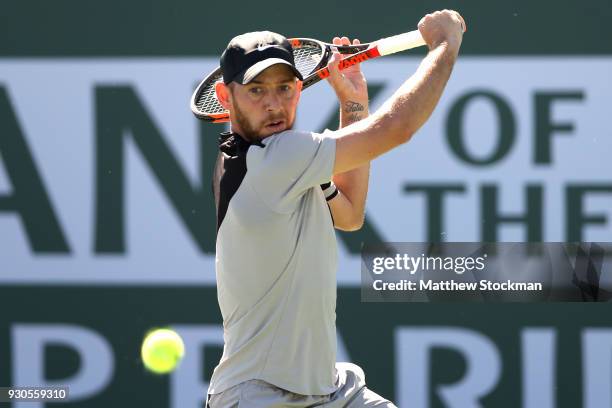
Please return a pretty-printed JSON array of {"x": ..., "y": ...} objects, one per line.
[{"x": 266, "y": 105}]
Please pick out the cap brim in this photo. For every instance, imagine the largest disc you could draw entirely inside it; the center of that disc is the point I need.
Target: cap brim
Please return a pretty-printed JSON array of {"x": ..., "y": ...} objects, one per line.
[{"x": 256, "y": 69}]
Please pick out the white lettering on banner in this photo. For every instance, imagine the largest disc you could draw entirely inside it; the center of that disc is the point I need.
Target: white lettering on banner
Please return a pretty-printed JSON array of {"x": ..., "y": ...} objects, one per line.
[
  {"x": 597, "y": 367},
  {"x": 483, "y": 366},
  {"x": 539, "y": 367},
  {"x": 412, "y": 351},
  {"x": 187, "y": 387},
  {"x": 413, "y": 348},
  {"x": 508, "y": 132},
  {"x": 96, "y": 358}
]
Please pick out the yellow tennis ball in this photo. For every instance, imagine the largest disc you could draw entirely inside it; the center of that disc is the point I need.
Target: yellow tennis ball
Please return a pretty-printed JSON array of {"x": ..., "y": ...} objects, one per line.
[{"x": 161, "y": 350}]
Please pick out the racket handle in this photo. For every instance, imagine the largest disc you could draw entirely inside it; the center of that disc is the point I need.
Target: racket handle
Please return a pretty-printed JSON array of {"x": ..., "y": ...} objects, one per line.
[{"x": 400, "y": 42}]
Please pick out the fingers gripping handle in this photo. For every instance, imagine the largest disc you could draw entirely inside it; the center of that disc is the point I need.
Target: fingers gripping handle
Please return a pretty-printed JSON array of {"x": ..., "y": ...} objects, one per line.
[{"x": 400, "y": 42}]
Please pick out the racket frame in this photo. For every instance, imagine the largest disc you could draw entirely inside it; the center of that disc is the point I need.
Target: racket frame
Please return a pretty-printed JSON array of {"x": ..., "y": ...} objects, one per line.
[{"x": 359, "y": 53}]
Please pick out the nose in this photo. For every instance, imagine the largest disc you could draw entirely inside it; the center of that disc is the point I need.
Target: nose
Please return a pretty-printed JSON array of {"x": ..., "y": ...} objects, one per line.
[{"x": 272, "y": 102}]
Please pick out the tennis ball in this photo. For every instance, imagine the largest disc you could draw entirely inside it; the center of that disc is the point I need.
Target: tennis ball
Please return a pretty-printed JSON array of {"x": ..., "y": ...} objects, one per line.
[{"x": 161, "y": 350}]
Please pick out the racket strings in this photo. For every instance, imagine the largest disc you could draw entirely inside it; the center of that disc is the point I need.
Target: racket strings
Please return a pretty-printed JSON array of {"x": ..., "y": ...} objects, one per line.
[
  {"x": 307, "y": 58},
  {"x": 207, "y": 100}
]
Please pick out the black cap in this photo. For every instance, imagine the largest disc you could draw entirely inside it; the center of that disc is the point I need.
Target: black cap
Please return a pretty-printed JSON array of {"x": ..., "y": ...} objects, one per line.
[{"x": 247, "y": 55}]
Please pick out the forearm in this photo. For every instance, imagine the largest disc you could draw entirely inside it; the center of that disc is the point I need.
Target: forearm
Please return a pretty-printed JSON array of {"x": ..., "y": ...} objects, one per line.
[
  {"x": 349, "y": 207},
  {"x": 399, "y": 117},
  {"x": 352, "y": 111},
  {"x": 413, "y": 103}
]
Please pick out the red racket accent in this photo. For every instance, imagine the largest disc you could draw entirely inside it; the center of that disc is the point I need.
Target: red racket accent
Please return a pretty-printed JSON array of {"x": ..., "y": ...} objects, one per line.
[
  {"x": 311, "y": 58},
  {"x": 350, "y": 61}
]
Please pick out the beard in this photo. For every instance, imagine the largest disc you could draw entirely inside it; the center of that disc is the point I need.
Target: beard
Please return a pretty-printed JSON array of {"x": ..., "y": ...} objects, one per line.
[
  {"x": 248, "y": 130},
  {"x": 253, "y": 132}
]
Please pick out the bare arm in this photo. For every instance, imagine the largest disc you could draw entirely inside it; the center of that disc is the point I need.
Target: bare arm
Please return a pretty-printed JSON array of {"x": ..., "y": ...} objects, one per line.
[
  {"x": 408, "y": 109},
  {"x": 348, "y": 207}
]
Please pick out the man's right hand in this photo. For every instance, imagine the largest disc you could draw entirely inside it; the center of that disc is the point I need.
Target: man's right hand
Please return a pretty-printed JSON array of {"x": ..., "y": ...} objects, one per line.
[{"x": 442, "y": 27}]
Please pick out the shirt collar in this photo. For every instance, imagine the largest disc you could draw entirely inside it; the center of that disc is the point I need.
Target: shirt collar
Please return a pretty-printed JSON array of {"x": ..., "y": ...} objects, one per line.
[{"x": 232, "y": 143}]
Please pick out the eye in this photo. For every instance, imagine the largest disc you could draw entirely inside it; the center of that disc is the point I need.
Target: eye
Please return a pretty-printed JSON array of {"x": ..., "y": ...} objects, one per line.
[
  {"x": 285, "y": 88},
  {"x": 256, "y": 90}
]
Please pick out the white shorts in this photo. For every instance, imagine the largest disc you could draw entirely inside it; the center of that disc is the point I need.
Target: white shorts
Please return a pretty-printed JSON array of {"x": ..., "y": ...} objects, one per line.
[{"x": 352, "y": 393}]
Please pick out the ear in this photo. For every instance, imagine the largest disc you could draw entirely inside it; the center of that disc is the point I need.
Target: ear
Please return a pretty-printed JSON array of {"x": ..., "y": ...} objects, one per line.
[
  {"x": 299, "y": 85},
  {"x": 223, "y": 94}
]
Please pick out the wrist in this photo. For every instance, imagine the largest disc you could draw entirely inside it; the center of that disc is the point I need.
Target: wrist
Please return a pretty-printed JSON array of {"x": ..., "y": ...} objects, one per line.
[
  {"x": 449, "y": 47},
  {"x": 354, "y": 106},
  {"x": 352, "y": 111}
]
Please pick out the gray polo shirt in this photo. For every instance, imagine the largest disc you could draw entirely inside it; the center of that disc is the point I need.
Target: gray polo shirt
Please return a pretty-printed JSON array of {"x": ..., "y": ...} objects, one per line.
[{"x": 276, "y": 261}]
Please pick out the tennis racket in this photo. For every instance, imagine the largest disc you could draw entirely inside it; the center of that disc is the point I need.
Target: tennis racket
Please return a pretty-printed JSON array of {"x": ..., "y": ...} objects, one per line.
[{"x": 311, "y": 58}]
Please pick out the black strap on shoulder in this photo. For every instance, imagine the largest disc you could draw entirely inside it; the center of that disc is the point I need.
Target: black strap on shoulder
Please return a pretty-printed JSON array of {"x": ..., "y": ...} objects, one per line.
[{"x": 230, "y": 170}]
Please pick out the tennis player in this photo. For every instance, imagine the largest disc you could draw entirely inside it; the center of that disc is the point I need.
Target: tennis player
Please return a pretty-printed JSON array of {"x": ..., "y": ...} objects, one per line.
[{"x": 279, "y": 194}]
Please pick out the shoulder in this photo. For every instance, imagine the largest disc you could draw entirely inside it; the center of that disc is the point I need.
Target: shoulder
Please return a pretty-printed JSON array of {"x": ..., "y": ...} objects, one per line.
[
  {"x": 293, "y": 137},
  {"x": 289, "y": 145}
]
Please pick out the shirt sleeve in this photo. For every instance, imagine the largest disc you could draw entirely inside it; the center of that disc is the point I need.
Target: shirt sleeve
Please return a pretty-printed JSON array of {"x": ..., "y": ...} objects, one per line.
[{"x": 288, "y": 165}]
